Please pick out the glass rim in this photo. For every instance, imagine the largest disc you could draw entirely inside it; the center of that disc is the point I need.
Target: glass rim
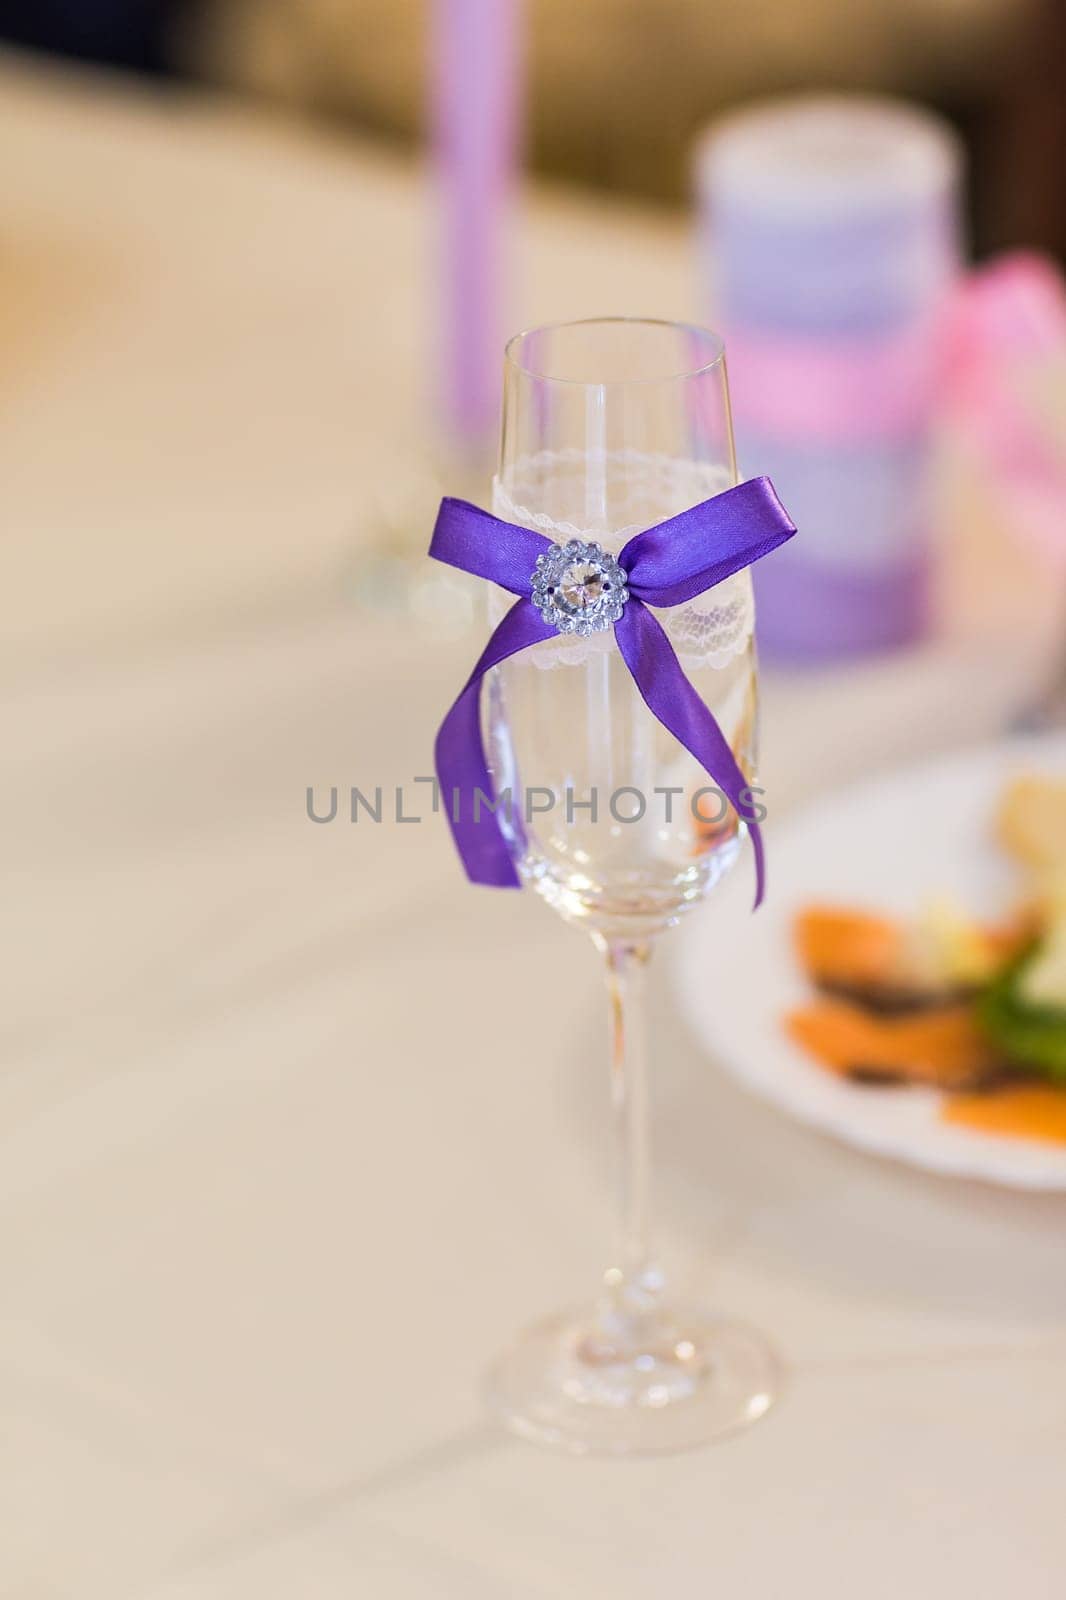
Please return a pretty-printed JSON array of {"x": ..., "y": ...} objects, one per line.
[{"x": 714, "y": 341}]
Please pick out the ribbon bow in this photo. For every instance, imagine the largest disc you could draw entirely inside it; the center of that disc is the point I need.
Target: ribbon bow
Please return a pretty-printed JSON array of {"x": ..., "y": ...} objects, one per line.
[{"x": 667, "y": 565}]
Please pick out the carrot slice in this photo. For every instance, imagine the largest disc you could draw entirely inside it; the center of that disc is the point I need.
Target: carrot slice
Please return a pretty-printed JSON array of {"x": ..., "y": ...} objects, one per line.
[
  {"x": 943, "y": 1047},
  {"x": 1024, "y": 1111},
  {"x": 838, "y": 946}
]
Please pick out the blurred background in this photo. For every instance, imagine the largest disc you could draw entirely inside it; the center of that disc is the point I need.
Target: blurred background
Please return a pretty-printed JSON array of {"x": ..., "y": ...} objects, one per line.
[
  {"x": 606, "y": 106},
  {"x": 618, "y": 89}
]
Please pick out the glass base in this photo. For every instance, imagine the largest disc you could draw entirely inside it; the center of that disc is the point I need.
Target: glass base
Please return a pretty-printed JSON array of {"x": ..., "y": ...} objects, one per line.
[{"x": 690, "y": 1379}]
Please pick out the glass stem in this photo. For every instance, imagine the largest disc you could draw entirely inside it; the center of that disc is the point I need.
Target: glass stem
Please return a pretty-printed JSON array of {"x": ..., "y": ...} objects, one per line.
[{"x": 632, "y": 1281}]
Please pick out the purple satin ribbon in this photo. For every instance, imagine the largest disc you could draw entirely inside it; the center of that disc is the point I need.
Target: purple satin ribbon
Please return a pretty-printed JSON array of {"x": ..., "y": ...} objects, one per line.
[{"x": 667, "y": 565}]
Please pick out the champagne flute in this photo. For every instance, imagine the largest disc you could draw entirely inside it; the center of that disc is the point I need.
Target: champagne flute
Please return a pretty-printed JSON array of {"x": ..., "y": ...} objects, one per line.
[{"x": 610, "y": 426}]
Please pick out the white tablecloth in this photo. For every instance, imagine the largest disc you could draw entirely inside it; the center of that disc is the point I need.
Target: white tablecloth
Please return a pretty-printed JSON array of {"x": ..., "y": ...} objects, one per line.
[{"x": 283, "y": 1161}]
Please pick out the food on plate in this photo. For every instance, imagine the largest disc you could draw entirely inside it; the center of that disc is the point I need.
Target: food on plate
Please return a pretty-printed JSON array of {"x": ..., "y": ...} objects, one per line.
[
  {"x": 1022, "y": 1013},
  {"x": 943, "y": 1046},
  {"x": 1019, "y": 1111},
  {"x": 890, "y": 967},
  {"x": 1032, "y": 825},
  {"x": 948, "y": 1002}
]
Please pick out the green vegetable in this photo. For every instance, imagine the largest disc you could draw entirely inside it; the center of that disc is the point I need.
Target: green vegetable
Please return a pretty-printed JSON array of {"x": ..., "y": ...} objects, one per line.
[{"x": 1029, "y": 1035}]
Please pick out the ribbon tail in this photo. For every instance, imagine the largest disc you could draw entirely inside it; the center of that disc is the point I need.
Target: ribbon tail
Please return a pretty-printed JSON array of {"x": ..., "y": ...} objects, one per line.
[
  {"x": 670, "y": 697},
  {"x": 462, "y": 769}
]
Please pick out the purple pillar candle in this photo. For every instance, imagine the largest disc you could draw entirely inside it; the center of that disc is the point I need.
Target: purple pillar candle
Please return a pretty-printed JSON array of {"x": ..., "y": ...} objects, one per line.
[
  {"x": 476, "y": 74},
  {"x": 831, "y": 233}
]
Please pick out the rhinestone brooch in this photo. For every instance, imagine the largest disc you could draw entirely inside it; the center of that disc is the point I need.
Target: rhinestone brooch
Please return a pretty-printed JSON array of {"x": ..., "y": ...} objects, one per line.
[{"x": 579, "y": 588}]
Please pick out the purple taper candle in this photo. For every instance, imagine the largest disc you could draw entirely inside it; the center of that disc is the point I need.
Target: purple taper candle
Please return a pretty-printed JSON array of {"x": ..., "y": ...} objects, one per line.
[{"x": 476, "y": 95}]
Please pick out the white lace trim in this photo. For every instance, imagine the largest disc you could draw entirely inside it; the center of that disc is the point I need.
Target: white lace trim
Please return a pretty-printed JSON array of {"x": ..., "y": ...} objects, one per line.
[{"x": 712, "y": 629}]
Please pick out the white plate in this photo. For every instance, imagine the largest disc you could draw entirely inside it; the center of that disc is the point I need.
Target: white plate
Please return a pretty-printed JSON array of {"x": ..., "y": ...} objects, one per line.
[{"x": 889, "y": 845}]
